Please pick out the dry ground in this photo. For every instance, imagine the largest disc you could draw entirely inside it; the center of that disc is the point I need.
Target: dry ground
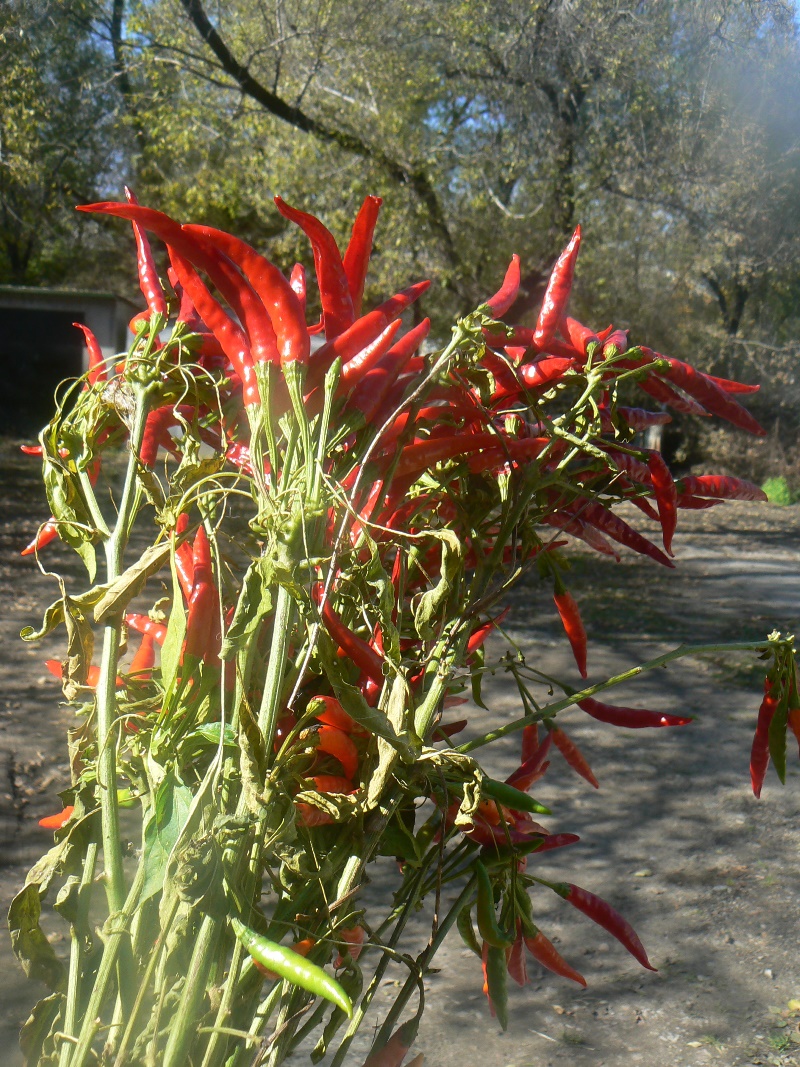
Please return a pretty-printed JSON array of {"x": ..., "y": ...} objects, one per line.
[{"x": 709, "y": 876}]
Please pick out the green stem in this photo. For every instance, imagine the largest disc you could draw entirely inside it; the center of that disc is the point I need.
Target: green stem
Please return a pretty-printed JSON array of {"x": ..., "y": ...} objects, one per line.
[
  {"x": 106, "y": 705},
  {"x": 363, "y": 1005},
  {"x": 260, "y": 1020},
  {"x": 423, "y": 961},
  {"x": 273, "y": 683},
  {"x": 184, "y": 1029},
  {"x": 568, "y": 701},
  {"x": 115, "y": 936},
  {"x": 148, "y": 974},
  {"x": 76, "y": 950}
]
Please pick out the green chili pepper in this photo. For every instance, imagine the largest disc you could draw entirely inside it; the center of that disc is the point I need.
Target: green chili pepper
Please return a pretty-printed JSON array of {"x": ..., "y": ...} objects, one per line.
[
  {"x": 467, "y": 930},
  {"x": 487, "y": 919},
  {"x": 512, "y": 798},
  {"x": 292, "y": 966},
  {"x": 494, "y": 969}
]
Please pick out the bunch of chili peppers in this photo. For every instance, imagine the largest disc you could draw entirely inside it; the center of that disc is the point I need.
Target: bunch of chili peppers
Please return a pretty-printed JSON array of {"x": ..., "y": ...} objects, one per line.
[{"x": 302, "y": 563}]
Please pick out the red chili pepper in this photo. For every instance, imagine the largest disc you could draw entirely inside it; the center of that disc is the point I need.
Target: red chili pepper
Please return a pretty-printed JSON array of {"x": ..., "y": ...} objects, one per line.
[
  {"x": 155, "y": 433},
  {"x": 578, "y": 335},
  {"x": 666, "y": 497},
  {"x": 507, "y": 293},
  {"x": 329, "y": 711},
  {"x": 561, "y": 350},
  {"x": 354, "y": 938},
  {"x": 348, "y": 344},
  {"x": 578, "y": 528},
  {"x": 630, "y": 718},
  {"x": 333, "y": 783},
  {"x": 639, "y": 419},
  {"x": 721, "y": 487},
  {"x": 297, "y": 280},
  {"x": 309, "y": 816},
  {"x": 248, "y": 305},
  {"x": 185, "y": 250},
  {"x": 31, "y": 450},
  {"x": 619, "y": 531},
  {"x": 695, "y": 503},
  {"x": 337, "y": 304},
  {"x": 600, "y": 912},
  {"x": 183, "y": 557},
  {"x": 479, "y": 635},
  {"x": 359, "y": 249},
  {"x": 545, "y": 953},
  {"x": 709, "y": 394},
  {"x": 667, "y": 395},
  {"x": 97, "y": 366},
  {"x": 143, "y": 624},
  {"x": 532, "y": 769},
  {"x": 573, "y": 755},
  {"x": 732, "y": 387},
  {"x": 359, "y": 651},
  {"x": 759, "y": 752},
  {"x": 573, "y": 626},
  {"x": 639, "y": 471},
  {"x": 363, "y": 362},
  {"x": 47, "y": 532},
  {"x": 615, "y": 344},
  {"x": 393, "y": 1052},
  {"x": 793, "y": 720},
  {"x": 339, "y": 745},
  {"x": 530, "y": 742},
  {"x": 149, "y": 281},
  {"x": 275, "y": 293},
  {"x": 372, "y": 390},
  {"x": 445, "y": 730},
  {"x": 551, "y": 841},
  {"x": 545, "y": 371},
  {"x": 55, "y": 822},
  {"x": 557, "y": 293},
  {"x": 187, "y": 313},
  {"x": 142, "y": 663},
  {"x": 203, "y": 601},
  {"x": 416, "y": 458},
  {"x": 231, "y": 337},
  {"x": 92, "y": 674},
  {"x": 515, "y": 959}
]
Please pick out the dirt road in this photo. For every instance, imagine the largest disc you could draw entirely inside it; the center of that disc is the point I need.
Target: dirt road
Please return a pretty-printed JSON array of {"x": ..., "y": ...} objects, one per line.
[{"x": 709, "y": 877}]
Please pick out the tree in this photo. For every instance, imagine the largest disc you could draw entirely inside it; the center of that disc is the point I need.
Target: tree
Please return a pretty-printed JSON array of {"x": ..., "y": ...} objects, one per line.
[{"x": 58, "y": 139}]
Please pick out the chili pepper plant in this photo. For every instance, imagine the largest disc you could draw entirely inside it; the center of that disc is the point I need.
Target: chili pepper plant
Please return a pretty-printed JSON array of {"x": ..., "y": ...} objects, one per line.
[{"x": 289, "y": 588}]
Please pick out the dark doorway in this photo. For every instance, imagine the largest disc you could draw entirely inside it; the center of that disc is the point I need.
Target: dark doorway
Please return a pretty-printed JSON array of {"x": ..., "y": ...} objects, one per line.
[{"x": 38, "y": 349}]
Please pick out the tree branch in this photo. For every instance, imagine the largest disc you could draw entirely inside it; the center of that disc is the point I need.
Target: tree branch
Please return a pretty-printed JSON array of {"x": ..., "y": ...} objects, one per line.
[{"x": 414, "y": 178}]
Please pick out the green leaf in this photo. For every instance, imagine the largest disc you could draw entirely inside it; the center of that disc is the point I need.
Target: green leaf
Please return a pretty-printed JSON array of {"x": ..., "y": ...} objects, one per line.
[
  {"x": 54, "y": 615},
  {"x": 476, "y": 680},
  {"x": 210, "y": 731},
  {"x": 30, "y": 946},
  {"x": 38, "y": 1027},
  {"x": 131, "y": 582},
  {"x": 67, "y": 506},
  {"x": 396, "y": 716},
  {"x": 176, "y": 631},
  {"x": 432, "y": 602},
  {"x": 163, "y": 825},
  {"x": 255, "y": 601}
]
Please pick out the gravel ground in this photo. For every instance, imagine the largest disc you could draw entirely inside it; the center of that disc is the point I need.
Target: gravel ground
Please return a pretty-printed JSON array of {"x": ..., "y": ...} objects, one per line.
[{"x": 709, "y": 877}]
